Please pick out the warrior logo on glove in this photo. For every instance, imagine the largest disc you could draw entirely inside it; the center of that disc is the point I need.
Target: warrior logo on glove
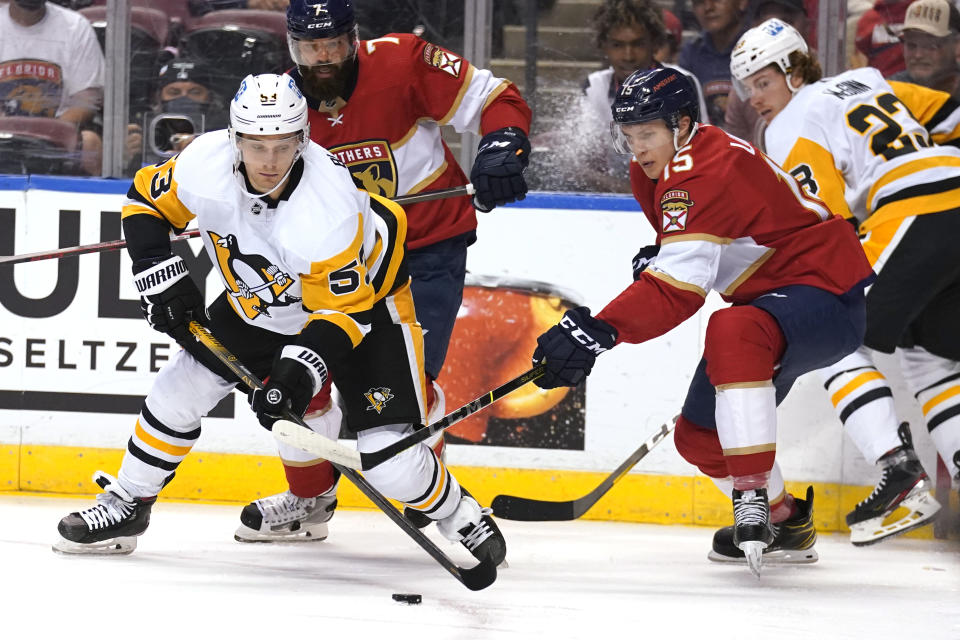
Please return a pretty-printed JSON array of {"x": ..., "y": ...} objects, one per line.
[{"x": 255, "y": 284}]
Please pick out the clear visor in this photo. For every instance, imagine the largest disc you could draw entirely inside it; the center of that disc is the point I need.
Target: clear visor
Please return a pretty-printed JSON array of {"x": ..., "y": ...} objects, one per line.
[
  {"x": 271, "y": 148},
  {"x": 620, "y": 143},
  {"x": 323, "y": 51}
]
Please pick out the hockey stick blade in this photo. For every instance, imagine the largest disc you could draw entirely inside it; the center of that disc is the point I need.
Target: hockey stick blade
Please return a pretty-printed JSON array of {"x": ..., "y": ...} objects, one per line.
[
  {"x": 532, "y": 510},
  {"x": 324, "y": 447},
  {"x": 474, "y": 578},
  {"x": 110, "y": 245}
]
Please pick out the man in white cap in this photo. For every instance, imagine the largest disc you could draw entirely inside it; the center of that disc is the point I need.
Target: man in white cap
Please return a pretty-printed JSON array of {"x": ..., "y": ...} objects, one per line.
[{"x": 930, "y": 46}]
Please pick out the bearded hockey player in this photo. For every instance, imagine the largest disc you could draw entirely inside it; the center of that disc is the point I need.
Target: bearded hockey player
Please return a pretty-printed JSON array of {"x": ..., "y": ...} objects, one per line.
[
  {"x": 728, "y": 220},
  {"x": 315, "y": 288},
  {"x": 378, "y": 105},
  {"x": 853, "y": 141}
]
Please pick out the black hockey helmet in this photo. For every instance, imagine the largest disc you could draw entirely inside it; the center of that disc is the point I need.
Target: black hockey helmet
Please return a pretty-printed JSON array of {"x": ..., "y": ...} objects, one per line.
[
  {"x": 311, "y": 20},
  {"x": 656, "y": 94}
]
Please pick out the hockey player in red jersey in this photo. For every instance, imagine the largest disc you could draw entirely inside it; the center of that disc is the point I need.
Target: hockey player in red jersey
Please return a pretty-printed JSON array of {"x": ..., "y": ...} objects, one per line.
[
  {"x": 729, "y": 220},
  {"x": 377, "y": 105}
]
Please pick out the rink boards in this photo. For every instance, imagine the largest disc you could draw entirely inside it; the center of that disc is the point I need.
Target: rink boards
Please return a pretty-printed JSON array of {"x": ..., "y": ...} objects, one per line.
[{"x": 76, "y": 359}]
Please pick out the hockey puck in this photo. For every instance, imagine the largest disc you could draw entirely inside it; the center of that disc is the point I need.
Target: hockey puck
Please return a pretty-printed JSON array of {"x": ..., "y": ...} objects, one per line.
[{"x": 409, "y": 598}]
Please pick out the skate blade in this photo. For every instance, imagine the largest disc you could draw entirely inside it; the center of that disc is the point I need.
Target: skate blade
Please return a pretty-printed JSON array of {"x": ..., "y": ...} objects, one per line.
[
  {"x": 121, "y": 546},
  {"x": 923, "y": 510},
  {"x": 778, "y": 557},
  {"x": 311, "y": 533},
  {"x": 753, "y": 551}
]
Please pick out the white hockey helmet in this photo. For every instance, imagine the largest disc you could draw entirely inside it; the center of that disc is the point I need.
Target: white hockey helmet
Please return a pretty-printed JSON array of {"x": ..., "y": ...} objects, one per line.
[
  {"x": 268, "y": 104},
  {"x": 771, "y": 42}
]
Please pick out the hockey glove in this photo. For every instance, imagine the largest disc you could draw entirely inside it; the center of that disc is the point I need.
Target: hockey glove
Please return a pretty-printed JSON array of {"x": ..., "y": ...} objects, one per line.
[
  {"x": 570, "y": 348},
  {"x": 643, "y": 259},
  {"x": 297, "y": 375},
  {"x": 497, "y": 173},
  {"x": 169, "y": 298}
]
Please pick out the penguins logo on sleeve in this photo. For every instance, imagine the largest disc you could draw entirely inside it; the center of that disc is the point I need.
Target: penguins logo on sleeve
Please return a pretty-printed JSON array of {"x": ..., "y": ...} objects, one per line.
[
  {"x": 378, "y": 398},
  {"x": 255, "y": 284}
]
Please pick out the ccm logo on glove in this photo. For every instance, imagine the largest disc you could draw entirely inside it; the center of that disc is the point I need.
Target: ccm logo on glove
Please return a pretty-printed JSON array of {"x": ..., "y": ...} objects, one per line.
[{"x": 581, "y": 336}]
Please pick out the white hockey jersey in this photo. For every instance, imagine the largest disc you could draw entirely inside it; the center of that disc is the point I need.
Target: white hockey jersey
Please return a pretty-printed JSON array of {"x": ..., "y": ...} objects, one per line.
[
  {"x": 326, "y": 252},
  {"x": 860, "y": 144}
]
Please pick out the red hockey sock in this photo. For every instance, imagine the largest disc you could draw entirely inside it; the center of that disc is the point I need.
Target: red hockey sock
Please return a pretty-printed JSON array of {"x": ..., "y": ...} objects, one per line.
[
  {"x": 310, "y": 481},
  {"x": 783, "y": 509}
]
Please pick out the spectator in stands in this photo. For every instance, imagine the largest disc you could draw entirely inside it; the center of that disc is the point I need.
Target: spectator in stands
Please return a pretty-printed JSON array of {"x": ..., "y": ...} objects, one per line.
[
  {"x": 51, "y": 66},
  {"x": 740, "y": 119},
  {"x": 878, "y": 35},
  {"x": 668, "y": 51},
  {"x": 185, "y": 90},
  {"x": 202, "y": 7},
  {"x": 930, "y": 45},
  {"x": 628, "y": 32},
  {"x": 708, "y": 57}
]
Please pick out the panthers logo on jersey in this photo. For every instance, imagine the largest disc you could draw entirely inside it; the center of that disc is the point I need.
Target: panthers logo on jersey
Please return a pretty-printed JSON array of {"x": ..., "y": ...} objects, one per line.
[
  {"x": 253, "y": 282},
  {"x": 371, "y": 164}
]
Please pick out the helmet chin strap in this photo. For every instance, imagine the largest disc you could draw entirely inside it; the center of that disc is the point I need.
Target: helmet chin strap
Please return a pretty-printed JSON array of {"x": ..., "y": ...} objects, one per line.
[{"x": 676, "y": 135}]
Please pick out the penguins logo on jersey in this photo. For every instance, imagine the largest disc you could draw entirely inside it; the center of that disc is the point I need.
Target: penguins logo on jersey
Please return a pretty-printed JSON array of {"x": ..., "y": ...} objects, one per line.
[
  {"x": 675, "y": 204},
  {"x": 254, "y": 283},
  {"x": 371, "y": 164},
  {"x": 378, "y": 397}
]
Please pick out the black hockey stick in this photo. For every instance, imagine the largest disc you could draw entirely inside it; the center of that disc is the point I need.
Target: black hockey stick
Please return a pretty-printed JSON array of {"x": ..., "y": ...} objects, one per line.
[
  {"x": 474, "y": 578},
  {"x": 530, "y": 510},
  {"x": 323, "y": 447},
  {"x": 110, "y": 245}
]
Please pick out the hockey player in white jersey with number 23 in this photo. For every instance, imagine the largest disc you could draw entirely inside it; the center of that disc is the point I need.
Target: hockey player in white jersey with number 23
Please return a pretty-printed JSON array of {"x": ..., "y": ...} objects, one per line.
[{"x": 315, "y": 287}]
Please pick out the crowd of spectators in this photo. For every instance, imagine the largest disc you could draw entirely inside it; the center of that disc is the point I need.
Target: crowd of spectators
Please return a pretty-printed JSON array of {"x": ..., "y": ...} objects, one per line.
[{"x": 52, "y": 67}]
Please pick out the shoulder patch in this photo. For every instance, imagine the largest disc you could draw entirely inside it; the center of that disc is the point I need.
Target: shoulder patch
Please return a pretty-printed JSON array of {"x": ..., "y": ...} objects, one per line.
[
  {"x": 675, "y": 205},
  {"x": 434, "y": 56}
]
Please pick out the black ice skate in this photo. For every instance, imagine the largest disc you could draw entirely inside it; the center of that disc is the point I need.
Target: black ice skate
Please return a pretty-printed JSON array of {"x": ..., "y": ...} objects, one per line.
[
  {"x": 109, "y": 528},
  {"x": 287, "y": 518},
  {"x": 475, "y": 529},
  {"x": 904, "y": 483},
  {"x": 793, "y": 539}
]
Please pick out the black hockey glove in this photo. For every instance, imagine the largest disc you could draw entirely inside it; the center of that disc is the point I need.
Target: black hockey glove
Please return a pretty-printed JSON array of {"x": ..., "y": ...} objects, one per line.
[
  {"x": 643, "y": 259},
  {"x": 297, "y": 374},
  {"x": 497, "y": 173},
  {"x": 169, "y": 298},
  {"x": 570, "y": 348}
]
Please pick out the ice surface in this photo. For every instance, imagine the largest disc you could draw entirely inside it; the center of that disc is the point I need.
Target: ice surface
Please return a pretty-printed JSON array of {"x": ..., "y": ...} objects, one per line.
[{"x": 188, "y": 579}]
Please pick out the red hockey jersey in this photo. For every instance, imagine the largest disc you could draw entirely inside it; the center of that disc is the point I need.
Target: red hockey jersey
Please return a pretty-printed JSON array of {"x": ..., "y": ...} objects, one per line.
[
  {"x": 729, "y": 219},
  {"x": 388, "y": 131}
]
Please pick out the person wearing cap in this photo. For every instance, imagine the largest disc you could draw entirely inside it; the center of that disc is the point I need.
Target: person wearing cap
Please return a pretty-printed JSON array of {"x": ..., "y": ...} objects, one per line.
[
  {"x": 930, "y": 46},
  {"x": 878, "y": 35}
]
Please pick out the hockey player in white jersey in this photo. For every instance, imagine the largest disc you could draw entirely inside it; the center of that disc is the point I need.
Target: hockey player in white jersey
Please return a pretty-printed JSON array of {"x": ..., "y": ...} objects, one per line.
[
  {"x": 315, "y": 288},
  {"x": 868, "y": 148}
]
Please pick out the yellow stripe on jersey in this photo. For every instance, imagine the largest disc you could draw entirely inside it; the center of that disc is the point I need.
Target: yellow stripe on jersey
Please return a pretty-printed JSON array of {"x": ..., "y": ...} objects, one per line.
[
  {"x": 924, "y": 103},
  {"x": 853, "y": 385},
  {"x": 500, "y": 88},
  {"x": 916, "y": 205},
  {"x": 908, "y": 169},
  {"x": 695, "y": 237},
  {"x": 340, "y": 283},
  {"x": 825, "y": 181},
  {"x": 429, "y": 179},
  {"x": 344, "y": 322},
  {"x": 386, "y": 275},
  {"x": 749, "y": 271},
  {"x": 157, "y": 195},
  {"x": 402, "y": 300},
  {"x": 467, "y": 79},
  {"x": 677, "y": 284}
]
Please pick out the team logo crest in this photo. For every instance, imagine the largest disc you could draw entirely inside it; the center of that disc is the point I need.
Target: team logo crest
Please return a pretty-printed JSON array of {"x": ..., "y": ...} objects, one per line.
[
  {"x": 675, "y": 205},
  {"x": 255, "y": 284},
  {"x": 371, "y": 164},
  {"x": 443, "y": 60},
  {"x": 378, "y": 398}
]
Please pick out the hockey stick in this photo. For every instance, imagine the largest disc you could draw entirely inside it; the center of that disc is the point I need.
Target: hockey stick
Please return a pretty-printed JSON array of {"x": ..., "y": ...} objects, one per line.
[
  {"x": 530, "y": 510},
  {"x": 110, "y": 245},
  {"x": 318, "y": 445},
  {"x": 474, "y": 578}
]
